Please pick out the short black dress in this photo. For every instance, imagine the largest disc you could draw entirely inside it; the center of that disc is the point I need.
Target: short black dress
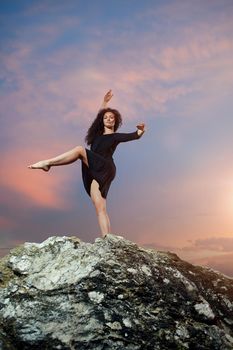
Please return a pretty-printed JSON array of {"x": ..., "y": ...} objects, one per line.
[{"x": 101, "y": 165}]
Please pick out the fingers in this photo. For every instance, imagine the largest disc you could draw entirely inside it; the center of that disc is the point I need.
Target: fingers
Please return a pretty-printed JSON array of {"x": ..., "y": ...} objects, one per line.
[
  {"x": 109, "y": 92},
  {"x": 141, "y": 127},
  {"x": 108, "y": 95}
]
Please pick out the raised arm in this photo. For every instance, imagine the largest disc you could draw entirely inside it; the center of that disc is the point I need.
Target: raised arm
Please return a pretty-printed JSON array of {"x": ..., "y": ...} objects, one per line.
[{"x": 106, "y": 99}]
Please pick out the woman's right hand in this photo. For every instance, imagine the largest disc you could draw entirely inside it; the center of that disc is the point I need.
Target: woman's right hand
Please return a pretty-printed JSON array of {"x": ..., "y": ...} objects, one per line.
[{"x": 108, "y": 96}]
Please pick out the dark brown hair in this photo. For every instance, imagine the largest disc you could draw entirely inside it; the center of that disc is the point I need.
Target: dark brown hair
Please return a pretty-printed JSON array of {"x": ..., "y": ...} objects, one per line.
[{"x": 97, "y": 127}]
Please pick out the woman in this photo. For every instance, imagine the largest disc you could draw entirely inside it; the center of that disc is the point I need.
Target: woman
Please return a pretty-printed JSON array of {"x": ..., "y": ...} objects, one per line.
[{"x": 98, "y": 168}]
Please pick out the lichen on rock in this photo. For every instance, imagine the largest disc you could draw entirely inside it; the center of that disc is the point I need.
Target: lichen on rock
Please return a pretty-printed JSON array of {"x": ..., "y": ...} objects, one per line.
[{"x": 110, "y": 295}]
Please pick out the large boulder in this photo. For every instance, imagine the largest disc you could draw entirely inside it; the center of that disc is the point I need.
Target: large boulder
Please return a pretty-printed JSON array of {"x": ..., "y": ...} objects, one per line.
[{"x": 67, "y": 294}]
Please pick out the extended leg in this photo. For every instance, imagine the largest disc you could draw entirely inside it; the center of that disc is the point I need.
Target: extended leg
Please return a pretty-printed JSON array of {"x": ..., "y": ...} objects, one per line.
[
  {"x": 71, "y": 156},
  {"x": 100, "y": 206}
]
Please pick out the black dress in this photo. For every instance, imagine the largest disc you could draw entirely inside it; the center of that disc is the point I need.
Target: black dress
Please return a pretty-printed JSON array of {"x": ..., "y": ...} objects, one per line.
[{"x": 101, "y": 164}]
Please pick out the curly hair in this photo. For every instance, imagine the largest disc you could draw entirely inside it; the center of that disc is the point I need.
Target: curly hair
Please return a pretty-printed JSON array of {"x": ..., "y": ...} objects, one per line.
[{"x": 97, "y": 127}]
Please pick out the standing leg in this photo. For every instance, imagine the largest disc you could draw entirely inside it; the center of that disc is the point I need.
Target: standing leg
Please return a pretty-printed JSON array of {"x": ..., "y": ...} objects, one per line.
[
  {"x": 71, "y": 156},
  {"x": 100, "y": 206}
]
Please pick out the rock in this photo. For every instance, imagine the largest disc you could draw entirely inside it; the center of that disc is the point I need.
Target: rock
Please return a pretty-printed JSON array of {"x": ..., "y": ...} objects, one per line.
[
  {"x": 110, "y": 295},
  {"x": 5, "y": 342}
]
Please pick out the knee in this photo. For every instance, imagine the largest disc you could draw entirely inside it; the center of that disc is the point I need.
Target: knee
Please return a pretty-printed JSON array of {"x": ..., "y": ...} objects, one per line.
[
  {"x": 79, "y": 149},
  {"x": 100, "y": 207},
  {"x": 101, "y": 211},
  {"x": 80, "y": 152}
]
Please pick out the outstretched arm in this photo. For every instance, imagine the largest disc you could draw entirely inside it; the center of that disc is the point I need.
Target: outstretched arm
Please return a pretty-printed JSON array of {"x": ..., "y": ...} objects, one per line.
[
  {"x": 124, "y": 137},
  {"x": 106, "y": 99}
]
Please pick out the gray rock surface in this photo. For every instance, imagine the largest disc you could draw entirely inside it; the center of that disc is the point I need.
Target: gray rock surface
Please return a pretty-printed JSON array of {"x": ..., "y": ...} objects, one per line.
[{"x": 110, "y": 295}]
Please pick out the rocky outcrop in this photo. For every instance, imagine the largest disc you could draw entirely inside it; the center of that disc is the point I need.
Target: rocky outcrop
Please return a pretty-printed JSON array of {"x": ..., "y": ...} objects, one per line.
[{"x": 67, "y": 294}]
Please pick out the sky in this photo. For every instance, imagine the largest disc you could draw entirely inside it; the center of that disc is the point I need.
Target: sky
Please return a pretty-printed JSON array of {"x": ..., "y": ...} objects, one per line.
[{"x": 169, "y": 65}]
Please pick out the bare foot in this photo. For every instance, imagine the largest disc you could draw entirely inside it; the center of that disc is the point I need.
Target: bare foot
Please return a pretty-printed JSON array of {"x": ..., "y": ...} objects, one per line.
[{"x": 40, "y": 165}]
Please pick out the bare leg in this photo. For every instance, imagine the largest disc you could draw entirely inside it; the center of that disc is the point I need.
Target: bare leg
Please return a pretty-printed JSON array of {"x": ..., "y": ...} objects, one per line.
[
  {"x": 71, "y": 156},
  {"x": 100, "y": 206}
]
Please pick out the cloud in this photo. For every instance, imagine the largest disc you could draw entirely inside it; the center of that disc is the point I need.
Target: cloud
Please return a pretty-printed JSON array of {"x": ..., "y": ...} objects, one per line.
[
  {"x": 76, "y": 88},
  {"x": 44, "y": 189},
  {"x": 213, "y": 252},
  {"x": 216, "y": 244},
  {"x": 67, "y": 84},
  {"x": 222, "y": 263}
]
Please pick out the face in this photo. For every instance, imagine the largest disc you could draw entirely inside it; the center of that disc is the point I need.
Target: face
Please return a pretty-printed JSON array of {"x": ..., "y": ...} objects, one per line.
[{"x": 109, "y": 120}]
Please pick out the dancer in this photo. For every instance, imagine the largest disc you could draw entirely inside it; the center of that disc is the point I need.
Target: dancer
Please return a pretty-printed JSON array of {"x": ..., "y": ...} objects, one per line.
[{"x": 98, "y": 168}]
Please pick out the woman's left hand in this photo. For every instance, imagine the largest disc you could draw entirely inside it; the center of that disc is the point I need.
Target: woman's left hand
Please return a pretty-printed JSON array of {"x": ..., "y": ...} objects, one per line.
[{"x": 141, "y": 129}]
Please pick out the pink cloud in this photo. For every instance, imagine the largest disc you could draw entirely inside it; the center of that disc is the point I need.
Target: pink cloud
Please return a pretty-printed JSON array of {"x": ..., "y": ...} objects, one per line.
[
  {"x": 75, "y": 94},
  {"x": 206, "y": 253},
  {"x": 42, "y": 188},
  {"x": 197, "y": 202},
  {"x": 217, "y": 244},
  {"x": 196, "y": 50},
  {"x": 222, "y": 263}
]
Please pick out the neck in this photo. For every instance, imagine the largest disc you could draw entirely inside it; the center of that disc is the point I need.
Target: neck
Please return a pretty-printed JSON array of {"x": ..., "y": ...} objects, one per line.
[{"x": 108, "y": 131}]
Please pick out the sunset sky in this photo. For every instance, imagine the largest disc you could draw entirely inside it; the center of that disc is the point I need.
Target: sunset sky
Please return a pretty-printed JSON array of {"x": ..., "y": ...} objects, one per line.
[{"x": 169, "y": 65}]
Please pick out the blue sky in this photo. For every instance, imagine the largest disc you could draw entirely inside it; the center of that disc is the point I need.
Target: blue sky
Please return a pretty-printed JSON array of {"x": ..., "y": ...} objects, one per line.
[{"x": 169, "y": 64}]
